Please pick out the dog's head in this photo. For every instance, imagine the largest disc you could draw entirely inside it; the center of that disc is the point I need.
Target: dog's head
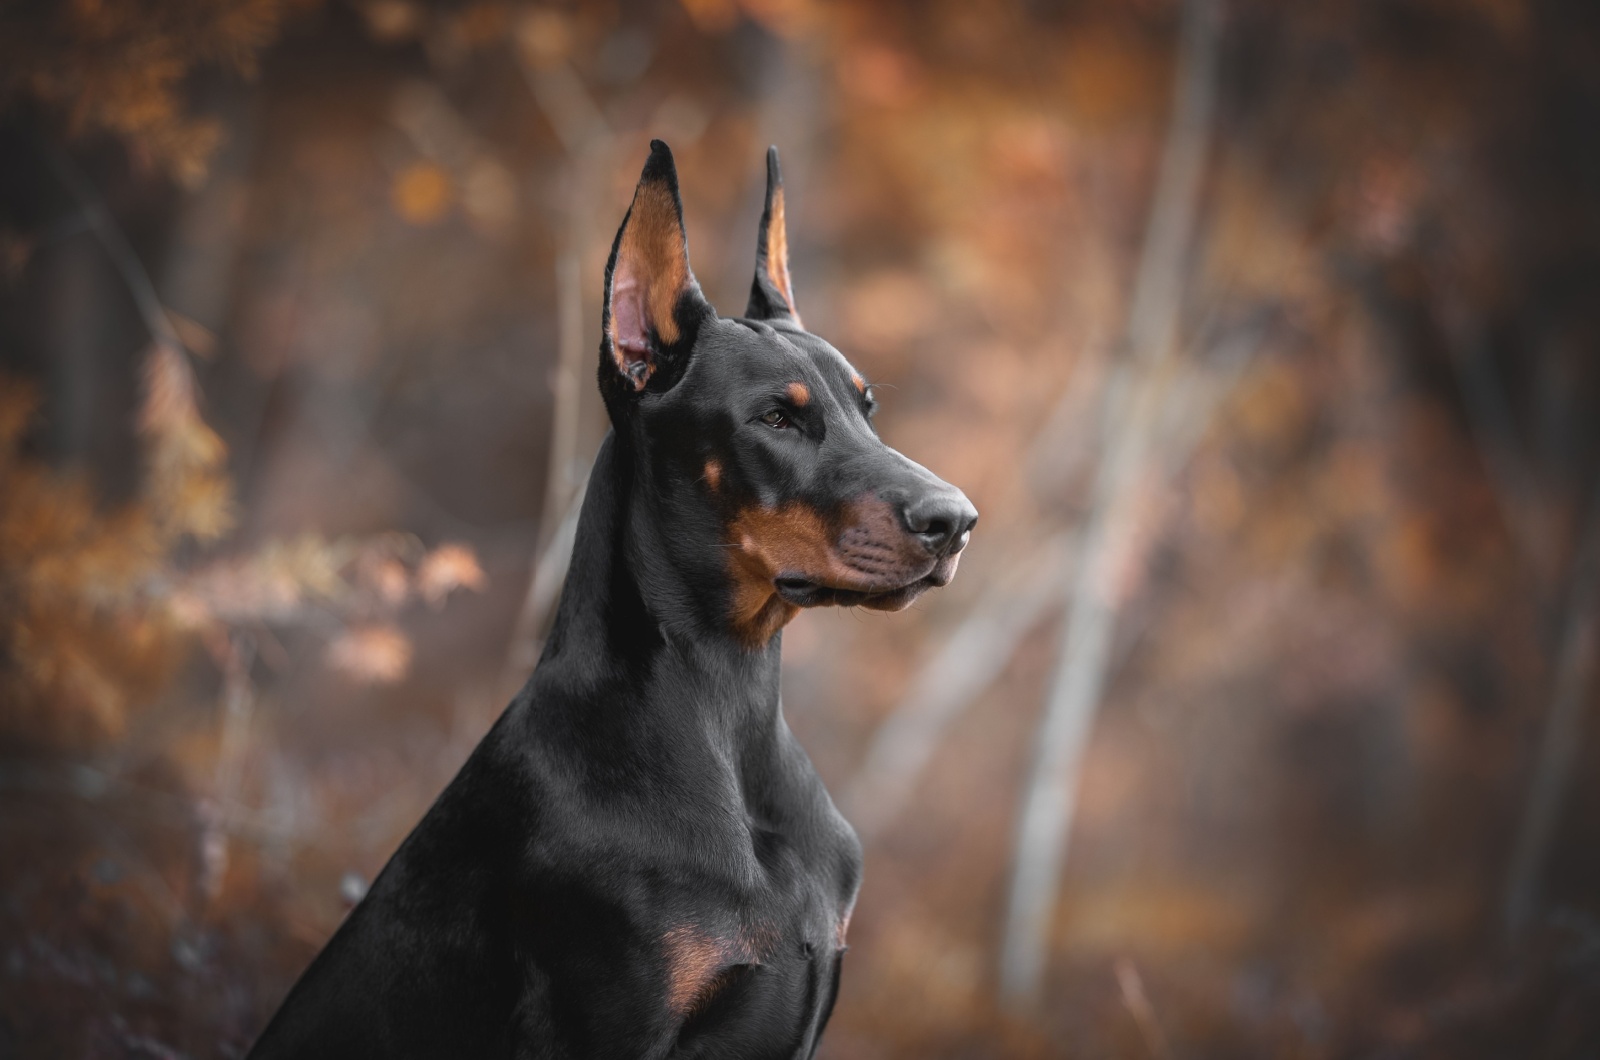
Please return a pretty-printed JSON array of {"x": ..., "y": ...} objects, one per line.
[{"x": 756, "y": 436}]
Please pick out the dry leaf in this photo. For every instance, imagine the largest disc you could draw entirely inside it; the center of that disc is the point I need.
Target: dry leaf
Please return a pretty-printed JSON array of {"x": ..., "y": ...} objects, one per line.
[
  {"x": 422, "y": 194},
  {"x": 446, "y": 569},
  {"x": 376, "y": 655},
  {"x": 169, "y": 390}
]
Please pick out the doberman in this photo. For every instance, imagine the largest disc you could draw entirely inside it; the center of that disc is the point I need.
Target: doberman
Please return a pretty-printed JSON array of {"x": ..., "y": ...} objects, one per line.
[{"x": 639, "y": 859}]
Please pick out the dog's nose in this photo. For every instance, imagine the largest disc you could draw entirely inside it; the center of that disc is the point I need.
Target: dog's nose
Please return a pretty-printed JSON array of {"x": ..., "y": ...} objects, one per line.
[{"x": 942, "y": 520}]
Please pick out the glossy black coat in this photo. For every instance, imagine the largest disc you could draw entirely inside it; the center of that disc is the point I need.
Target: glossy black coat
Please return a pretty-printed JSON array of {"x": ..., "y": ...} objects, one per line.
[
  {"x": 639, "y": 860},
  {"x": 641, "y": 781}
]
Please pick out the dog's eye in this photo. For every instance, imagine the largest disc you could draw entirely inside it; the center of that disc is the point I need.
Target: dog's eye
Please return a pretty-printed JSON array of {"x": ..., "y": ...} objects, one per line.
[{"x": 776, "y": 419}]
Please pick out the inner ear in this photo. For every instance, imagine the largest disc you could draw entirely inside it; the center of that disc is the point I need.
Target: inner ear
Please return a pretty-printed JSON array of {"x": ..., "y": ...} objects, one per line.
[
  {"x": 648, "y": 274},
  {"x": 771, "y": 293}
]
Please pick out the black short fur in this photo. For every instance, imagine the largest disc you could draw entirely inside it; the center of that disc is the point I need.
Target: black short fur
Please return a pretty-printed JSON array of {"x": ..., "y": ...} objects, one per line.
[{"x": 642, "y": 795}]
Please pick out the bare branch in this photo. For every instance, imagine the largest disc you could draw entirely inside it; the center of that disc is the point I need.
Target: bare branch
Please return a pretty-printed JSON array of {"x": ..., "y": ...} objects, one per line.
[
  {"x": 978, "y": 650},
  {"x": 968, "y": 660},
  {"x": 1492, "y": 428},
  {"x": 1136, "y": 395},
  {"x": 120, "y": 251},
  {"x": 556, "y": 514},
  {"x": 1509, "y": 475},
  {"x": 238, "y": 697},
  {"x": 1563, "y": 729},
  {"x": 1137, "y": 1002},
  {"x": 587, "y": 137},
  {"x": 544, "y": 586},
  {"x": 567, "y": 105}
]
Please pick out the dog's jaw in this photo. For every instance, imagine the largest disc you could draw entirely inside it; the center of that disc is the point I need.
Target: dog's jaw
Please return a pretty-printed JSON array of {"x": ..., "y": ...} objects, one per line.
[{"x": 802, "y": 593}]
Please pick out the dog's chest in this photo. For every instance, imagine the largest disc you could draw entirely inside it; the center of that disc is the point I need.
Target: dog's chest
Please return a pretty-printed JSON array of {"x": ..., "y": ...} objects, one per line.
[
  {"x": 765, "y": 954},
  {"x": 715, "y": 884}
]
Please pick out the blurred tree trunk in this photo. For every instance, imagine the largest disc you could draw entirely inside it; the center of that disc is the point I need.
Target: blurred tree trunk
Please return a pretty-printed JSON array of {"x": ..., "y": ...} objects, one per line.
[{"x": 1135, "y": 399}]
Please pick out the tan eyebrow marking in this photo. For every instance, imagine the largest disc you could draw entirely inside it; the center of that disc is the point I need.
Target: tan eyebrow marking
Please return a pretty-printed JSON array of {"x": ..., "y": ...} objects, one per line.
[
  {"x": 713, "y": 475},
  {"x": 861, "y": 384},
  {"x": 800, "y": 394}
]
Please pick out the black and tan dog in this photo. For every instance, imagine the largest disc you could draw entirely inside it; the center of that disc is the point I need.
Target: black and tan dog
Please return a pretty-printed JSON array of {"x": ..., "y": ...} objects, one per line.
[{"x": 639, "y": 860}]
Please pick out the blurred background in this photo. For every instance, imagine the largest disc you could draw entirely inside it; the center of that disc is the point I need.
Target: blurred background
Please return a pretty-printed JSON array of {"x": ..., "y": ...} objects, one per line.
[{"x": 1261, "y": 333}]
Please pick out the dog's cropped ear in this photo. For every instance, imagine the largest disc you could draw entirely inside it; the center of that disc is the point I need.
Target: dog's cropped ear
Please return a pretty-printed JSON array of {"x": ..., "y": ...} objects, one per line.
[
  {"x": 771, "y": 295},
  {"x": 653, "y": 306}
]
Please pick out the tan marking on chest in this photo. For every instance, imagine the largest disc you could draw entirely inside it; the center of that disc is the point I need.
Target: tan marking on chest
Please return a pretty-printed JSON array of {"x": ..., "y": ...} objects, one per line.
[
  {"x": 693, "y": 960},
  {"x": 697, "y": 962}
]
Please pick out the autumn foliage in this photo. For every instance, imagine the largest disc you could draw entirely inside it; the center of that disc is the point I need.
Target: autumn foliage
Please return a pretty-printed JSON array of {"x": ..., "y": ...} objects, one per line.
[{"x": 1261, "y": 334}]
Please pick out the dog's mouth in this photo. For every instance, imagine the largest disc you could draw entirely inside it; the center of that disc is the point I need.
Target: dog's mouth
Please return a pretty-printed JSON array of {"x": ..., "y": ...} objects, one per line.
[{"x": 797, "y": 589}]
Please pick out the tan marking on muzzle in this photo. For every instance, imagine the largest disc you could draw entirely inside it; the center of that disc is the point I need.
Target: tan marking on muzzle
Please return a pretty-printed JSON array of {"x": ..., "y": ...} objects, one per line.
[
  {"x": 861, "y": 549},
  {"x": 861, "y": 384},
  {"x": 767, "y": 542}
]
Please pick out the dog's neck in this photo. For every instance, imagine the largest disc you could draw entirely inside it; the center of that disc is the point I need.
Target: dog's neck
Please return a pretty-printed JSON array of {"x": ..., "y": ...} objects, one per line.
[{"x": 624, "y": 593}]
